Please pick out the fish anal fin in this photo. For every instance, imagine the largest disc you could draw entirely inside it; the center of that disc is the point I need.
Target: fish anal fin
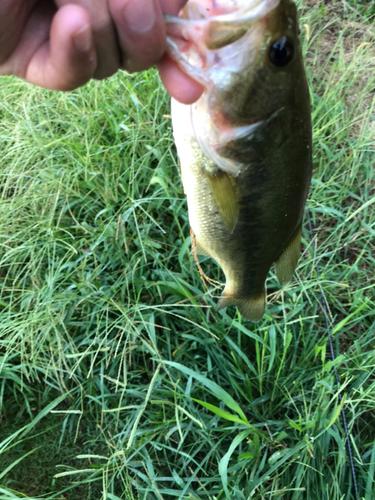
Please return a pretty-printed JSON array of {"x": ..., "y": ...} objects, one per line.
[
  {"x": 251, "y": 308},
  {"x": 225, "y": 196},
  {"x": 287, "y": 262}
]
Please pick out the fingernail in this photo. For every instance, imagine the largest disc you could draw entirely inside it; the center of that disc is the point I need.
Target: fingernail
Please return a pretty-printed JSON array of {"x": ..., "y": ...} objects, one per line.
[
  {"x": 83, "y": 40},
  {"x": 139, "y": 15}
]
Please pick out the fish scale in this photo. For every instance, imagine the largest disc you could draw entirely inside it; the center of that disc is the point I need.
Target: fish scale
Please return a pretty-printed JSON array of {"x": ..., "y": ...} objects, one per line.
[{"x": 245, "y": 146}]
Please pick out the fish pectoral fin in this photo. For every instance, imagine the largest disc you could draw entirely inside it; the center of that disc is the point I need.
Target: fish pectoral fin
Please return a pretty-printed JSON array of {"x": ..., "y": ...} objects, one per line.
[
  {"x": 251, "y": 308},
  {"x": 225, "y": 196},
  {"x": 287, "y": 262}
]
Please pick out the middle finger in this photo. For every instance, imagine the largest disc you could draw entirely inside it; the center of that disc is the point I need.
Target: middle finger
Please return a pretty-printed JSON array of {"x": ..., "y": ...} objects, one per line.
[{"x": 106, "y": 45}]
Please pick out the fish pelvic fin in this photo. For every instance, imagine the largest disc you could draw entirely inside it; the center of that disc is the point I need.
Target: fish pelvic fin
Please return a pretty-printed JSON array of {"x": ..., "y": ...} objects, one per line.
[
  {"x": 251, "y": 308},
  {"x": 200, "y": 250},
  {"x": 287, "y": 262},
  {"x": 196, "y": 247},
  {"x": 225, "y": 196}
]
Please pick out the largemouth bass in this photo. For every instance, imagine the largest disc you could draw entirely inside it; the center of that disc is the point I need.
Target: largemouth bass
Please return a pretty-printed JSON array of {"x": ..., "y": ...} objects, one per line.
[{"x": 245, "y": 146}]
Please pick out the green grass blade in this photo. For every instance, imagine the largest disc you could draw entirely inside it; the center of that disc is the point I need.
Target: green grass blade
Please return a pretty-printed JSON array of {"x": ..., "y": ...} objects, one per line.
[
  {"x": 216, "y": 390},
  {"x": 222, "y": 413}
]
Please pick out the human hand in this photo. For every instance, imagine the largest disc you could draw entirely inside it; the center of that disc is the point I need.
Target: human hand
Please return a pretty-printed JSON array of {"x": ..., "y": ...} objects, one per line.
[{"x": 62, "y": 44}]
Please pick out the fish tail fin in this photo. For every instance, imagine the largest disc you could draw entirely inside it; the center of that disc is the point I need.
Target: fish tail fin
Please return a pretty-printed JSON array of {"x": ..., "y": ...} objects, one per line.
[
  {"x": 287, "y": 262},
  {"x": 251, "y": 308}
]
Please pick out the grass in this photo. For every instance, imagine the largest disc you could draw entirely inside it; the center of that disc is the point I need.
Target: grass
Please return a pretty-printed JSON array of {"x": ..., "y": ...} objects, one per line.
[{"x": 117, "y": 378}]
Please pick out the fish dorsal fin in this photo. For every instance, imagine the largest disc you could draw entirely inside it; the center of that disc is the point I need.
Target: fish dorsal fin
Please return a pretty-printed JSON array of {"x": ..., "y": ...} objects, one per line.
[
  {"x": 251, "y": 308},
  {"x": 224, "y": 192},
  {"x": 287, "y": 262}
]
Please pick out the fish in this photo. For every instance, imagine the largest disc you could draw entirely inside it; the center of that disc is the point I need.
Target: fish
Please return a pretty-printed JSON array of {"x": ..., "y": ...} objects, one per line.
[{"x": 245, "y": 147}]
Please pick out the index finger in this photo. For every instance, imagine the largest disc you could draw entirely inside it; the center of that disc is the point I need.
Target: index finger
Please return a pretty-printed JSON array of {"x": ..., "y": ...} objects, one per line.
[{"x": 141, "y": 32}]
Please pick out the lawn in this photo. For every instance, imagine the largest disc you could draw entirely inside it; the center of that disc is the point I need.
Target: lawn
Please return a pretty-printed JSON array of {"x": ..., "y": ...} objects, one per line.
[{"x": 118, "y": 379}]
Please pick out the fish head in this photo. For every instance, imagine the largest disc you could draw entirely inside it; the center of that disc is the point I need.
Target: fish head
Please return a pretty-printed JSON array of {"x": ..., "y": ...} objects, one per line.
[{"x": 245, "y": 53}]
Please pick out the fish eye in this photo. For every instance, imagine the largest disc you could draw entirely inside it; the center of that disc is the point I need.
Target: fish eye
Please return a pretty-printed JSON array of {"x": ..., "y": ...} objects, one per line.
[{"x": 281, "y": 52}]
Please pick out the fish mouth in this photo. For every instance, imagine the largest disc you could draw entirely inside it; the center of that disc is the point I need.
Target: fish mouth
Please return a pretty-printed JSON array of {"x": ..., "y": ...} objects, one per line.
[
  {"x": 229, "y": 27},
  {"x": 197, "y": 39}
]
